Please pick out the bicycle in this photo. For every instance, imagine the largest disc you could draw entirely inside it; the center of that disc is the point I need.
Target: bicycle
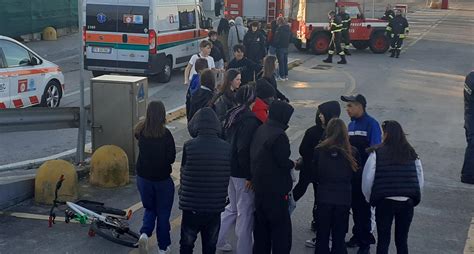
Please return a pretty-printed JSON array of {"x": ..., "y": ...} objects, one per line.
[{"x": 110, "y": 223}]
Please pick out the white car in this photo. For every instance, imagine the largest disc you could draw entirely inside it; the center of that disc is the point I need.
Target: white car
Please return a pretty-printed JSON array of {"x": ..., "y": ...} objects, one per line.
[{"x": 26, "y": 79}]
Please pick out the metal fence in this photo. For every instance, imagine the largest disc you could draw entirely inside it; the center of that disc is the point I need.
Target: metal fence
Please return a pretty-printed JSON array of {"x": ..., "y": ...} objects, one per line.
[{"x": 20, "y": 17}]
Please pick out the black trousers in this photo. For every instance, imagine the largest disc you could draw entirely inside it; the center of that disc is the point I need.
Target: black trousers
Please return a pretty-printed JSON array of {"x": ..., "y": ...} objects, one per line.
[
  {"x": 333, "y": 221},
  {"x": 396, "y": 42},
  {"x": 272, "y": 226},
  {"x": 467, "y": 172},
  {"x": 300, "y": 188},
  {"x": 346, "y": 38},
  {"x": 208, "y": 224},
  {"x": 361, "y": 214},
  {"x": 335, "y": 44},
  {"x": 386, "y": 211}
]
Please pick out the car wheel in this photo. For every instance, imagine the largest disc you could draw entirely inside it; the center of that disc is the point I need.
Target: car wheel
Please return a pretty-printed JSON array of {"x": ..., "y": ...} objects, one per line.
[
  {"x": 360, "y": 45},
  {"x": 320, "y": 43},
  {"x": 379, "y": 43},
  {"x": 165, "y": 75},
  {"x": 52, "y": 95}
]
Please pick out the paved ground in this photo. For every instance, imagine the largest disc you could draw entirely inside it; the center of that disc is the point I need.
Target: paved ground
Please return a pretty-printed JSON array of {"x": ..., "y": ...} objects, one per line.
[{"x": 422, "y": 90}]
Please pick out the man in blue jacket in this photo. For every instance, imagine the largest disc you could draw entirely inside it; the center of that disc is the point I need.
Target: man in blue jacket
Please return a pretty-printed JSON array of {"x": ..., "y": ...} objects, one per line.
[{"x": 364, "y": 132}]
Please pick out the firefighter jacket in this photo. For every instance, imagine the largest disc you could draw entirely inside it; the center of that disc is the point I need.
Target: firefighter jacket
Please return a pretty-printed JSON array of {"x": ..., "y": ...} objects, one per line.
[
  {"x": 398, "y": 26},
  {"x": 346, "y": 20},
  {"x": 336, "y": 25}
]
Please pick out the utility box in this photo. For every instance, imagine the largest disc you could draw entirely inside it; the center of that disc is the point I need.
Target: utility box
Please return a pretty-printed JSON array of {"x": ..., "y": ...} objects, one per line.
[{"x": 117, "y": 104}]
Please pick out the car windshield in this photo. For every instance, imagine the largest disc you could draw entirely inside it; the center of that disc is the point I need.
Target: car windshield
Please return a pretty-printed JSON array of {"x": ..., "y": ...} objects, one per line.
[{"x": 353, "y": 11}]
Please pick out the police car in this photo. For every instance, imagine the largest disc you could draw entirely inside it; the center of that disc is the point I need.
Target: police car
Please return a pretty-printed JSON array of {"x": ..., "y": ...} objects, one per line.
[{"x": 26, "y": 79}]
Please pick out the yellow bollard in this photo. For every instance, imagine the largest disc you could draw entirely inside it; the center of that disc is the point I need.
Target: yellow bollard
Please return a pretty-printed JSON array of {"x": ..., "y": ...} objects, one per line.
[
  {"x": 49, "y": 34},
  {"x": 47, "y": 177},
  {"x": 109, "y": 167}
]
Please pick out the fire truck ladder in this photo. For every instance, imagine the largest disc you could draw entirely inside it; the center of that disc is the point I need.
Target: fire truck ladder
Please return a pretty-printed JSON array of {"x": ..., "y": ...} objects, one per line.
[{"x": 271, "y": 10}]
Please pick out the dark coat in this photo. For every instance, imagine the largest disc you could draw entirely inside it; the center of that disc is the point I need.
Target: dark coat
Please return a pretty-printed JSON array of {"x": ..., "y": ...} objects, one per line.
[
  {"x": 248, "y": 69},
  {"x": 270, "y": 152},
  {"x": 205, "y": 167},
  {"x": 254, "y": 43},
  {"x": 217, "y": 51},
  {"x": 155, "y": 157},
  {"x": 282, "y": 37},
  {"x": 200, "y": 99},
  {"x": 239, "y": 135},
  {"x": 222, "y": 104}
]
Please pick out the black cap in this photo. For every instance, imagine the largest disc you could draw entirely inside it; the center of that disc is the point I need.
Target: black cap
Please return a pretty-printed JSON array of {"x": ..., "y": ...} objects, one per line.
[{"x": 355, "y": 98}]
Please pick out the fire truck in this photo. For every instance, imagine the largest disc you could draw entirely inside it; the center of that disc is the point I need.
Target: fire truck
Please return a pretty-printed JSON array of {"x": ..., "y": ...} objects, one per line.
[
  {"x": 264, "y": 11},
  {"x": 309, "y": 22}
]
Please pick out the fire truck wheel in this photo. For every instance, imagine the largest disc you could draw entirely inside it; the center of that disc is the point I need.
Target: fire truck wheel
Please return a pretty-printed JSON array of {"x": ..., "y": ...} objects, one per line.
[
  {"x": 379, "y": 43},
  {"x": 361, "y": 45},
  {"x": 320, "y": 43},
  {"x": 165, "y": 75}
]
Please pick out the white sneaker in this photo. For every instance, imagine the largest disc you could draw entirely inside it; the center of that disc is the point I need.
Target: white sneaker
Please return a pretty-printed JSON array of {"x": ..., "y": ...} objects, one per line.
[
  {"x": 310, "y": 243},
  {"x": 225, "y": 248},
  {"x": 160, "y": 251},
  {"x": 143, "y": 244},
  {"x": 286, "y": 79},
  {"x": 280, "y": 79}
]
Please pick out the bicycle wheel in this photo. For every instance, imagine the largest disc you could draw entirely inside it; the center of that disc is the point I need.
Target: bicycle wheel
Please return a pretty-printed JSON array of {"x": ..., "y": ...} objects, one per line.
[{"x": 119, "y": 233}]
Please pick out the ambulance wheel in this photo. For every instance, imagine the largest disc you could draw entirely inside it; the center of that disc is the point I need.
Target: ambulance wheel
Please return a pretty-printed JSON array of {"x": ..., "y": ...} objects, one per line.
[
  {"x": 320, "y": 43},
  {"x": 165, "y": 75},
  {"x": 379, "y": 43},
  {"x": 52, "y": 95},
  {"x": 360, "y": 45}
]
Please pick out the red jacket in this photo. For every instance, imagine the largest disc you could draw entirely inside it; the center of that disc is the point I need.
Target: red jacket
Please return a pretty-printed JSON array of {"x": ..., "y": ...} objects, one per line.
[{"x": 261, "y": 110}]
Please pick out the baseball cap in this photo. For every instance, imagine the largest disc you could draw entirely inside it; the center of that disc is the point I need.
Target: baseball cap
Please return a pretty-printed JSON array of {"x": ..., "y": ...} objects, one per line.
[{"x": 355, "y": 98}]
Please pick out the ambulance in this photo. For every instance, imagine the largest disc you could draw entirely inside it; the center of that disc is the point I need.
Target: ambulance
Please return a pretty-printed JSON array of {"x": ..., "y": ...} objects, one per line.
[
  {"x": 145, "y": 37},
  {"x": 26, "y": 79}
]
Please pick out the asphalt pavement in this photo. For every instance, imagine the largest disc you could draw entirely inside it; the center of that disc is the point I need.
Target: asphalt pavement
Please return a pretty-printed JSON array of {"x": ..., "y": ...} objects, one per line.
[{"x": 422, "y": 90}]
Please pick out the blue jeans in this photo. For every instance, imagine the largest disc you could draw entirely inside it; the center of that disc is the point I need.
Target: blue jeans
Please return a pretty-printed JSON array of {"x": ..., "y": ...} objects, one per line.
[
  {"x": 157, "y": 198},
  {"x": 282, "y": 55},
  {"x": 208, "y": 224}
]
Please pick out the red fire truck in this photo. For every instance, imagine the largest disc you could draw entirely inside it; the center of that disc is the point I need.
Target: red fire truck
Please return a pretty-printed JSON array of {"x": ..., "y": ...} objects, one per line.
[
  {"x": 310, "y": 21},
  {"x": 264, "y": 11}
]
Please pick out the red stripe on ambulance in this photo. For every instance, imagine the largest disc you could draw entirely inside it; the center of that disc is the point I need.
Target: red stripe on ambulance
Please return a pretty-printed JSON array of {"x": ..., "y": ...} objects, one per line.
[
  {"x": 34, "y": 100},
  {"x": 18, "y": 103},
  {"x": 2, "y": 105}
]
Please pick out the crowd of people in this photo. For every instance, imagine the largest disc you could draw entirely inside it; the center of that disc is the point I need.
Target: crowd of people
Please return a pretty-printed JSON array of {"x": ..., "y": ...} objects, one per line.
[{"x": 236, "y": 171}]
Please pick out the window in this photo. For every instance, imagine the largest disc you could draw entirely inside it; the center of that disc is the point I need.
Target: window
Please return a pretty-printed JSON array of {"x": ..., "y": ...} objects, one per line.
[
  {"x": 353, "y": 11},
  {"x": 15, "y": 55},
  {"x": 187, "y": 17}
]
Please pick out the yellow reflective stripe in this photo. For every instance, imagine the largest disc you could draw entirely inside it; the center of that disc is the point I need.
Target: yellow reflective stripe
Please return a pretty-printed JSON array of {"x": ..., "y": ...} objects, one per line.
[
  {"x": 407, "y": 30},
  {"x": 336, "y": 25},
  {"x": 401, "y": 36},
  {"x": 336, "y": 31},
  {"x": 388, "y": 28},
  {"x": 330, "y": 52},
  {"x": 342, "y": 53}
]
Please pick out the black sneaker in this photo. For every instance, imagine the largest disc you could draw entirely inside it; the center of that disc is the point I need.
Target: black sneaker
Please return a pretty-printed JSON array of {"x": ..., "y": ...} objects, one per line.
[
  {"x": 310, "y": 243},
  {"x": 352, "y": 243},
  {"x": 313, "y": 226}
]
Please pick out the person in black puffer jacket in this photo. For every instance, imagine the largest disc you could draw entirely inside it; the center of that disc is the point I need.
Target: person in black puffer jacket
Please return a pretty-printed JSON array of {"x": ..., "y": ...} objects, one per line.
[
  {"x": 271, "y": 179},
  {"x": 334, "y": 163},
  {"x": 157, "y": 153},
  {"x": 313, "y": 135},
  {"x": 205, "y": 172},
  {"x": 240, "y": 125}
]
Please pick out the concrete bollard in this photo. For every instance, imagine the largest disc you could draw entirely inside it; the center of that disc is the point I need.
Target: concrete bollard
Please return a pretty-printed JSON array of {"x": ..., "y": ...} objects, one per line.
[
  {"x": 434, "y": 5},
  {"x": 49, "y": 34},
  {"x": 109, "y": 167},
  {"x": 47, "y": 177}
]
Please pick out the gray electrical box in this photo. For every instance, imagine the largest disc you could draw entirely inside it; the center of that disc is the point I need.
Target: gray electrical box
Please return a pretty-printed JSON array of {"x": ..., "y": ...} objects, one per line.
[{"x": 118, "y": 103}]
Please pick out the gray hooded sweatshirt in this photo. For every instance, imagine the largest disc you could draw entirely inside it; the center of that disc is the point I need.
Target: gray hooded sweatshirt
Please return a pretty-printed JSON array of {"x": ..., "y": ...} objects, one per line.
[{"x": 233, "y": 39}]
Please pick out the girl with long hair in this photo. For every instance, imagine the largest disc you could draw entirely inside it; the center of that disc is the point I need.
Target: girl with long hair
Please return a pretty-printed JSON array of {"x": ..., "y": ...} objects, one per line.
[
  {"x": 392, "y": 181},
  {"x": 334, "y": 162},
  {"x": 157, "y": 153},
  {"x": 269, "y": 66},
  {"x": 225, "y": 99}
]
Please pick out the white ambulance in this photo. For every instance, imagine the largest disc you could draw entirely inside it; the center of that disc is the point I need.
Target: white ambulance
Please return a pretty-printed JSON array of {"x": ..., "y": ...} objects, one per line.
[
  {"x": 148, "y": 37},
  {"x": 26, "y": 79}
]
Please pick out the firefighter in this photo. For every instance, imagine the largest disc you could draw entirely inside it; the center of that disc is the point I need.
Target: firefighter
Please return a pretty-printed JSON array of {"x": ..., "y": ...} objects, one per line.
[
  {"x": 389, "y": 13},
  {"x": 346, "y": 24},
  {"x": 335, "y": 28},
  {"x": 397, "y": 29}
]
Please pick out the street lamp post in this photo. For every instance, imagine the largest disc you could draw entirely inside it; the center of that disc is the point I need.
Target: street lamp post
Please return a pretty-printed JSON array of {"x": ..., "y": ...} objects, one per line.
[{"x": 81, "y": 136}]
